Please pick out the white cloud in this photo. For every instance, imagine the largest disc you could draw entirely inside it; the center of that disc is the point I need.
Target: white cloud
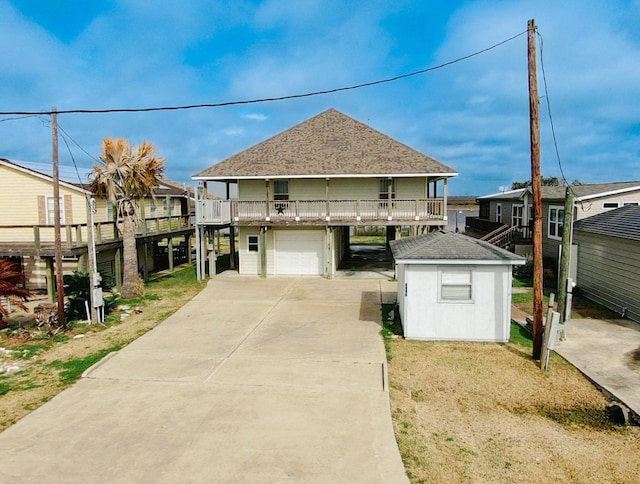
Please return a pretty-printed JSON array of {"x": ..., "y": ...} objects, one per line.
[{"x": 255, "y": 116}]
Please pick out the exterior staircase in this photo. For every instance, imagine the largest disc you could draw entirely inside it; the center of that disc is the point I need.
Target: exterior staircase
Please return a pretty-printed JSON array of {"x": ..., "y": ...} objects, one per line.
[{"x": 504, "y": 236}]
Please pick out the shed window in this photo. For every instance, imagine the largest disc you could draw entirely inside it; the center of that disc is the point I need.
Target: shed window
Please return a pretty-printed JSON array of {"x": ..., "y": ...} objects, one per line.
[
  {"x": 281, "y": 189},
  {"x": 455, "y": 285},
  {"x": 252, "y": 243},
  {"x": 556, "y": 222}
]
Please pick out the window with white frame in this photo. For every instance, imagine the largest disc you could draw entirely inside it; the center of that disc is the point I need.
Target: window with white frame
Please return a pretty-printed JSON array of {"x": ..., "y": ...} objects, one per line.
[
  {"x": 253, "y": 244},
  {"x": 51, "y": 211},
  {"x": 281, "y": 189},
  {"x": 169, "y": 204},
  {"x": 556, "y": 222},
  {"x": 498, "y": 212},
  {"x": 109, "y": 211},
  {"x": 630, "y": 203},
  {"x": 516, "y": 215},
  {"x": 384, "y": 188},
  {"x": 456, "y": 285},
  {"x": 153, "y": 207},
  {"x": 610, "y": 204}
]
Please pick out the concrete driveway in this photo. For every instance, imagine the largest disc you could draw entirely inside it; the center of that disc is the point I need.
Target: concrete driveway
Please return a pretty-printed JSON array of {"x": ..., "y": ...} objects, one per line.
[
  {"x": 608, "y": 352},
  {"x": 276, "y": 380}
]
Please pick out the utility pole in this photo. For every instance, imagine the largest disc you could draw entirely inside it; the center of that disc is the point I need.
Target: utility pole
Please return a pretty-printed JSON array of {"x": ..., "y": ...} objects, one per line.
[
  {"x": 56, "y": 216},
  {"x": 536, "y": 184},
  {"x": 565, "y": 258}
]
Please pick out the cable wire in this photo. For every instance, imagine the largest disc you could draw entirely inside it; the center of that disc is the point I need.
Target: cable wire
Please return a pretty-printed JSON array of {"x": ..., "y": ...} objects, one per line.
[
  {"x": 269, "y": 99},
  {"x": 548, "y": 103}
]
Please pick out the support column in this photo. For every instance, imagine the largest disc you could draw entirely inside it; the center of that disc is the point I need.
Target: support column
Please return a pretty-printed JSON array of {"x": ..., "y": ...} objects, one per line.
[
  {"x": 445, "y": 193},
  {"x": 170, "y": 253},
  {"x": 211, "y": 254},
  {"x": 118, "y": 269},
  {"x": 199, "y": 274},
  {"x": 232, "y": 247},
  {"x": 145, "y": 259},
  {"x": 329, "y": 248},
  {"x": 187, "y": 247},
  {"x": 82, "y": 263},
  {"x": 51, "y": 280},
  {"x": 263, "y": 252}
]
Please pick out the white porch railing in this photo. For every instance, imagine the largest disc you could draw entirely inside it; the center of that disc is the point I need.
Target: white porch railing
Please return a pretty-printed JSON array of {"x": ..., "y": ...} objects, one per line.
[
  {"x": 219, "y": 212},
  {"x": 213, "y": 211}
]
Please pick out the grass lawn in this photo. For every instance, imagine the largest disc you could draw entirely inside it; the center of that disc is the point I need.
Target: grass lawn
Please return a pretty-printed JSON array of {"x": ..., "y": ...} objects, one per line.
[
  {"x": 49, "y": 365},
  {"x": 368, "y": 239},
  {"x": 485, "y": 412}
]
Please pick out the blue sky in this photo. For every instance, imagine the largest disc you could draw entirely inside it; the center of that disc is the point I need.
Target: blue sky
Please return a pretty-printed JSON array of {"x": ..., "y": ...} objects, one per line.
[{"x": 472, "y": 116}]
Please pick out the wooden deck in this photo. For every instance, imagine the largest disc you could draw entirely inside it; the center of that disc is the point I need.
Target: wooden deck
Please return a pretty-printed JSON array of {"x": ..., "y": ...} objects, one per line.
[{"x": 321, "y": 212}]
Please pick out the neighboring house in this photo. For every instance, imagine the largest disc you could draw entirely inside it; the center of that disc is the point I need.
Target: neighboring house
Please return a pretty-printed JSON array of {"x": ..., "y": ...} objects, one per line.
[
  {"x": 609, "y": 259},
  {"x": 27, "y": 227},
  {"x": 453, "y": 287},
  {"x": 514, "y": 208},
  {"x": 300, "y": 191}
]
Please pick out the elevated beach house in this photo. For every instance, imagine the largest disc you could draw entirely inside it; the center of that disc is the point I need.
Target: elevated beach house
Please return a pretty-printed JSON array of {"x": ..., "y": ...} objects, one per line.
[
  {"x": 300, "y": 191},
  {"x": 27, "y": 227}
]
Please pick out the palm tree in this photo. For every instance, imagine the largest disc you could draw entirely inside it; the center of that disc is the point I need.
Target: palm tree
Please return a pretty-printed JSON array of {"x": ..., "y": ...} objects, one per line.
[
  {"x": 129, "y": 173},
  {"x": 10, "y": 277}
]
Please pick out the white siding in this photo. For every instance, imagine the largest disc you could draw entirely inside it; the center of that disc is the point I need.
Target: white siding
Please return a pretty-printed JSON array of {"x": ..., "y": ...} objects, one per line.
[
  {"x": 353, "y": 189},
  {"x": 609, "y": 271},
  {"x": 251, "y": 190},
  {"x": 301, "y": 189},
  {"x": 410, "y": 188},
  {"x": 594, "y": 206},
  {"x": 425, "y": 316}
]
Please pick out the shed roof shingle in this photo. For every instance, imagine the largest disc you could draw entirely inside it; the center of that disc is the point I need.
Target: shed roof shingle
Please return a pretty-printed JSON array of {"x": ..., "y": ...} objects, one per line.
[
  {"x": 449, "y": 246},
  {"x": 622, "y": 222},
  {"x": 330, "y": 143}
]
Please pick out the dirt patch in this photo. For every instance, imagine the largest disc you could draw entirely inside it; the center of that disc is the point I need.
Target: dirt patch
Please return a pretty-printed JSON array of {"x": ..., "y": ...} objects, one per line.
[
  {"x": 632, "y": 359},
  {"x": 472, "y": 412}
]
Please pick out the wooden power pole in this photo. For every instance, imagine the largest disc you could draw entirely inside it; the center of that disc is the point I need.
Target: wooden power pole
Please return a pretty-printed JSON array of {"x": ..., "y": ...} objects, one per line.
[
  {"x": 536, "y": 184},
  {"x": 56, "y": 216}
]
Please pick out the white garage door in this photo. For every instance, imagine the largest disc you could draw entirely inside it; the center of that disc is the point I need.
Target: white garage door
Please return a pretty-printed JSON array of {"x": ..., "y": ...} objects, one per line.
[{"x": 299, "y": 252}]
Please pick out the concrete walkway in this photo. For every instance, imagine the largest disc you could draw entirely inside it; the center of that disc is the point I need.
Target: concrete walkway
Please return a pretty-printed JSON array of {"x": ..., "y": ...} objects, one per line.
[
  {"x": 276, "y": 380},
  {"x": 607, "y": 352}
]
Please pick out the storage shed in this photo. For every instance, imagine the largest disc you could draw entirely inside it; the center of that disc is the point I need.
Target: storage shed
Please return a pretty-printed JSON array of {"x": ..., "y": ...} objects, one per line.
[
  {"x": 454, "y": 287},
  {"x": 609, "y": 259}
]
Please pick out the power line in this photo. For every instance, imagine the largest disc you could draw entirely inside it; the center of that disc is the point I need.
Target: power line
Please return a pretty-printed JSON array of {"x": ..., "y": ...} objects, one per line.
[
  {"x": 553, "y": 131},
  {"x": 18, "y": 117},
  {"x": 269, "y": 99},
  {"x": 78, "y": 145}
]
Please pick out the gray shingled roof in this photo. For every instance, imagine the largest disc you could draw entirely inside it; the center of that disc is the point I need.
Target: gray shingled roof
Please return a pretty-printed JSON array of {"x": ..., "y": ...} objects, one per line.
[
  {"x": 622, "y": 222},
  {"x": 558, "y": 193},
  {"x": 330, "y": 143},
  {"x": 449, "y": 246}
]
